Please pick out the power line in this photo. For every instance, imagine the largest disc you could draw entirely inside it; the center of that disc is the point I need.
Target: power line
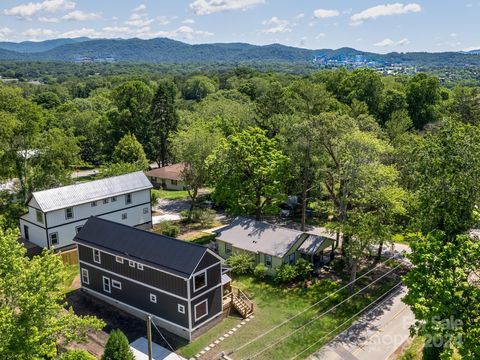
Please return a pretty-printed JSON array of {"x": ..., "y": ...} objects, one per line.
[
  {"x": 163, "y": 337},
  {"x": 322, "y": 314},
  {"x": 311, "y": 306},
  {"x": 346, "y": 321}
]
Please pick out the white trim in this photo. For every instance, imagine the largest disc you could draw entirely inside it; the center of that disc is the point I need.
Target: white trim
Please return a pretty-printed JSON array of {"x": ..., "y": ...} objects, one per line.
[
  {"x": 189, "y": 304},
  {"x": 208, "y": 267},
  {"x": 85, "y": 275},
  {"x": 139, "y": 266},
  {"x": 204, "y": 272},
  {"x": 119, "y": 259},
  {"x": 206, "y": 321},
  {"x": 181, "y": 308},
  {"x": 153, "y": 298},
  {"x": 206, "y": 292},
  {"x": 135, "y": 308},
  {"x": 133, "y": 280},
  {"x": 222, "y": 260},
  {"x": 151, "y": 267},
  {"x": 195, "y": 309},
  {"x": 50, "y": 238},
  {"x": 118, "y": 284},
  {"x": 131, "y": 263},
  {"x": 109, "y": 284},
  {"x": 99, "y": 261}
]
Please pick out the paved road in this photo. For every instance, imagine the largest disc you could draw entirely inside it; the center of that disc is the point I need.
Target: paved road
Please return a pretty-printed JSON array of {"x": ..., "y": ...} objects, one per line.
[{"x": 375, "y": 336}]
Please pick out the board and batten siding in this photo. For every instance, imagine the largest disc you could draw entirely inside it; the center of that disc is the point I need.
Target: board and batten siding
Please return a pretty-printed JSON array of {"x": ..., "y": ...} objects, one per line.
[
  {"x": 149, "y": 276},
  {"x": 214, "y": 277},
  {"x": 214, "y": 298},
  {"x": 138, "y": 296}
]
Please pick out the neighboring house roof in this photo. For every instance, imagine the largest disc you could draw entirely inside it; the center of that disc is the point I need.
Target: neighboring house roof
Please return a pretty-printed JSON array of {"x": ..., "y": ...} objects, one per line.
[
  {"x": 71, "y": 195},
  {"x": 171, "y": 255},
  {"x": 314, "y": 243},
  {"x": 259, "y": 237},
  {"x": 171, "y": 172}
]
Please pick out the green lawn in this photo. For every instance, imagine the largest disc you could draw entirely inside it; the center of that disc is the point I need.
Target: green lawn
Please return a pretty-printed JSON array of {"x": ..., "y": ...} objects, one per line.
[
  {"x": 72, "y": 272},
  {"x": 414, "y": 351},
  {"x": 172, "y": 194},
  {"x": 274, "y": 304}
]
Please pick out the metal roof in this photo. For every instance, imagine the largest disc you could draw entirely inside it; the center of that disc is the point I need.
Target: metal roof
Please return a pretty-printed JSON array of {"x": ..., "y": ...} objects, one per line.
[
  {"x": 71, "y": 195},
  {"x": 171, "y": 255},
  {"x": 259, "y": 237},
  {"x": 314, "y": 243}
]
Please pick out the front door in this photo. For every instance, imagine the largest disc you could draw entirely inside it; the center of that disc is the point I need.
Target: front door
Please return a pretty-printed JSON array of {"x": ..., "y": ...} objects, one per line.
[{"x": 25, "y": 231}]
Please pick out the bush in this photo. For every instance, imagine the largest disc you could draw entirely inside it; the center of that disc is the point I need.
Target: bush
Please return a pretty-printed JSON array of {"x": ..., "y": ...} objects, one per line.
[
  {"x": 117, "y": 347},
  {"x": 285, "y": 273},
  {"x": 260, "y": 271},
  {"x": 240, "y": 263},
  {"x": 155, "y": 196},
  {"x": 169, "y": 228},
  {"x": 304, "y": 268},
  {"x": 76, "y": 355},
  {"x": 204, "y": 217}
]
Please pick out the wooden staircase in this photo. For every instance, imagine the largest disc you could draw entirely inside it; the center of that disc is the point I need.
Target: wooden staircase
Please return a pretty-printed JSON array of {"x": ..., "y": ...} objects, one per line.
[{"x": 240, "y": 302}]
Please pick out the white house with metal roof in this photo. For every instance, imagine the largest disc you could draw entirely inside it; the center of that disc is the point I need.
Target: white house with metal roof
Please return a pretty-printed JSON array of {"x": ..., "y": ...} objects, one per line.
[
  {"x": 270, "y": 244},
  {"x": 56, "y": 215}
]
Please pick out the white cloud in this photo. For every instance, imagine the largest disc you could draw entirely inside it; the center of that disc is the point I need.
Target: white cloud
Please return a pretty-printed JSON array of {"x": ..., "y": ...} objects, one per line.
[
  {"x": 188, "y": 21},
  {"x": 323, "y": 13},
  {"x": 39, "y": 34},
  {"x": 79, "y": 15},
  {"x": 277, "y": 26},
  {"x": 45, "y": 19},
  {"x": 140, "y": 8},
  {"x": 299, "y": 16},
  {"x": 384, "y": 10},
  {"x": 207, "y": 7},
  {"x": 389, "y": 42},
  {"x": 164, "y": 20},
  {"x": 453, "y": 34},
  {"x": 4, "y": 31},
  {"x": 26, "y": 11},
  {"x": 139, "y": 20},
  {"x": 321, "y": 35},
  {"x": 183, "y": 32},
  {"x": 88, "y": 32}
]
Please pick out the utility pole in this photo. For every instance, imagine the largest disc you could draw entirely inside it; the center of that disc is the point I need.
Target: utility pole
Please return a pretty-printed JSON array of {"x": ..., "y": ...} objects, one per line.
[{"x": 149, "y": 336}]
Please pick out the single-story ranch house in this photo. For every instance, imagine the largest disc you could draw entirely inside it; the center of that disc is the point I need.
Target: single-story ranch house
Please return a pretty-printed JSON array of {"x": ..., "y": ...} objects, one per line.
[
  {"x": 167, "y": 177},
  {"x": 271, "y": 245},
  {"x": 178, "y": 283}
]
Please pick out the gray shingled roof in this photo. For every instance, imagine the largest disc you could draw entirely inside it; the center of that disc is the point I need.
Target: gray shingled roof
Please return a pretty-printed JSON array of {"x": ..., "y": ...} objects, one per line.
[
  {"x": 259, "y": 237},
  {"x": 315, "y": 243},
  {"x": 71, "y": 195}
]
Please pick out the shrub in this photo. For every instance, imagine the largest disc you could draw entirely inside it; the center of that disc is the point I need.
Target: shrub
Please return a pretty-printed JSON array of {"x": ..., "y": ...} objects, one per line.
[
  {"x": 117, "y": 347},
  {"x": 304, "y": 268},
  {"x": 169, "y": 228},
  {"x": 285, "y": 273},
  {"x": 76, "y": 355},
  {"x": 205, "y": 217},
  {"x": 260, "y": 271},
  {"x": 155, "y": 196},
  {"x": 240, "y": 263}
]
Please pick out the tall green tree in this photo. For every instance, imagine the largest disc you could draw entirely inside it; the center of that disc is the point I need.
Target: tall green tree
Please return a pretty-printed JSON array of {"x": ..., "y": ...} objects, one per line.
[
  {"x": 130, "y": 151},
  {"x": 198, "y": 87},
  {"x": 248, "y": 172},
  {"x": 423, "y": 94},
  {"x": 192, "y": 146},
  {"x": 33, "y": 318},
  {"x": 164, "y": 122},
  {"x": 117, "y": 347}
]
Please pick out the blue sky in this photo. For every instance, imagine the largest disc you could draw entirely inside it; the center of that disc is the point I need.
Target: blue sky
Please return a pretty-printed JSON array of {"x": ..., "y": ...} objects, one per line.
[{"x": 379, "y": 26}]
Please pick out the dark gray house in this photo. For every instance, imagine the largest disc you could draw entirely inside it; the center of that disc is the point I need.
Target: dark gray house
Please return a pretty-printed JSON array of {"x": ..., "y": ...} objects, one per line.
[{"x": 178, "y": 283}]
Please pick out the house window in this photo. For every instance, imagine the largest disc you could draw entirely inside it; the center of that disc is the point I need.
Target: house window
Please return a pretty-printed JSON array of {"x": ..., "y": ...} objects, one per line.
[
  {"x": 69, "y": 213},
  {"x": 181, "y": 309},
  {"x": 139, "y": 266},
  {"x": 131, "y": 263},
  {"x": 128, "y": 199},
  {"x": 119, "y": 259},
  {"x": 153, "y": 298},
  {"x": 96, "y": 256},
  {"x": 117, "y": 284},
  {"x": 124, "y": 216},
  {"x": 114, "y": 198},
  {"x": 145, "y": 210},
  {"x": 54, "y": 239},
  {"x": 268, "y": 261},
  {"x": 200, "y": 281},
  {"x": 94, "y": 203},
  {"x": 290, "y": 259},
  {"x": 105, "y": 201},
  {"x": 228, "y": 249},
  {"x": 78, "y": 228},
  {"x": 174, "y": 182},
  {"x": 39, "y": 216},
  {"x": 106, "y": 284},
  {"x": 201, "y": 310},
  {"x": 85, "y": 278}
]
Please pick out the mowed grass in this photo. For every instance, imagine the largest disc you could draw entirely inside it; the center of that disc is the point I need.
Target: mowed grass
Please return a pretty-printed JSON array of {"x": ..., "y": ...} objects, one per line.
[
  {"x": 273, "y": 305},
  {"x": 172, "y": 194},
  {"x": 72, "y": 272}
]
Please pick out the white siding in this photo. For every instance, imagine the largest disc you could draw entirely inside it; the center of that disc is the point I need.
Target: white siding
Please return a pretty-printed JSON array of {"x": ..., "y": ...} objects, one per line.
[
  {"x": 66, "y": 228},
  {"x": 169, "y": 186}
]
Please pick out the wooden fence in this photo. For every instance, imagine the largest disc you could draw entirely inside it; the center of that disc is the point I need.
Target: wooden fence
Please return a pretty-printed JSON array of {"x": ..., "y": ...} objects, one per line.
[{"x": 69, "y": 257}]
